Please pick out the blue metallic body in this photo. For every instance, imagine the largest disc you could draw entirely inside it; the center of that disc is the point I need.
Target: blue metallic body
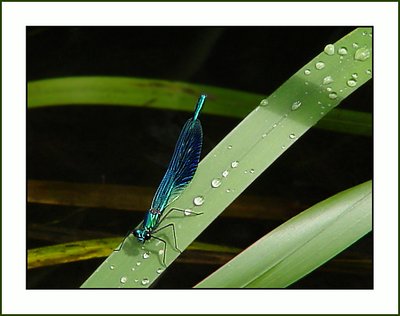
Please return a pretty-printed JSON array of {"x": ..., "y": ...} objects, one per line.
[{"x": 179, "y": 173}]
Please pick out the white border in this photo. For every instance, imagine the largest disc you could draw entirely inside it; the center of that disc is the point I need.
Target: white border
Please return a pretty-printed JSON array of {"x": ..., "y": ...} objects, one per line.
[{"x": 383, "y": 299}]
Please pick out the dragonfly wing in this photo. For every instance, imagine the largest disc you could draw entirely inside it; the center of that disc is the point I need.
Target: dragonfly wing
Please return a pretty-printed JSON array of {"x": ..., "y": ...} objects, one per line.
[{"x": 183, "y": 165}]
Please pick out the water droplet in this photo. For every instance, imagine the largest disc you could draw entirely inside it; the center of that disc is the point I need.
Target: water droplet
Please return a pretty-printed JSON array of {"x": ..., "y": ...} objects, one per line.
[
  {"x": 296, "y": 105},
  {"x": 342, "y": 51},
  {"x": 145, "y": 281},
  {"x": 320, "y": 65},
  {"x": 112, "y": 267},
  {"x": 228, "y": 190},
  {"x": 264, "y": 102},
  {"x": 138, "y": 263},
  {"x": 234, "y": 164},
  {"x": 333, "y": 95},
  {"x": 306, "y": 83},
  {"x": 307, "y": 72},
  {"x": 187, "y": 212},
  {"x": 199, "y": 200},
  {"x": 216, "y": 183},
  {"x": 142, "y": 247},
  {"x": 327, "y": 80},
  {"x": 322, "y": 113},
  {"x": 136, "y": 280},
  {"x": 146, "y": 255},
  {"x": 245, "y": 171},
  {"x": 161, "y": 252},
  {"x": 362, "y": 54},
  {"x": 354, "y": 76},
  {"x": 329, "y": 49},
  {"x": 292, "y": 136},
  {"x": 275, "y": 125},
  {"x": 329, "y": 89},
  {"x": 355, "y": 45},
  {"x": 133, "y": 269},
  {"x": 123, "y": 280},
  {"x": 230, "y": 147},
  {"x": 368, "y": 72},
  {"x": 251, "y": 170},
  {"x": 160, "y": 270},
  {"x": 225, "y": 173},
  {"x": 264, "y": 135},
  {"x": 351, "y": 83}
]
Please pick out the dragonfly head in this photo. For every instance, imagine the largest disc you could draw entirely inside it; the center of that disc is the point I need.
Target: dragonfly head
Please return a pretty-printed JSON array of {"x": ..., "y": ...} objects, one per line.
[{"x": 142, "y": 234}]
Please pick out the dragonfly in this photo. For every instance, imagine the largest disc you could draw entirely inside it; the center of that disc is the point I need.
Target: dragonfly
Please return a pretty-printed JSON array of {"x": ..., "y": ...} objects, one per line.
[{"x": 178, "y": 175}]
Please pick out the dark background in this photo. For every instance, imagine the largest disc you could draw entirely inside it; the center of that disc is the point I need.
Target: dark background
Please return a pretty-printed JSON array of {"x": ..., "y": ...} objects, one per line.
[{"x": 132, "y": 146}]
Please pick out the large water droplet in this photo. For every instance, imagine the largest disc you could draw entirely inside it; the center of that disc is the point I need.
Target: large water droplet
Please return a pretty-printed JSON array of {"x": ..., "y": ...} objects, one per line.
[
  {"x": 146, "y": 255},
  {"x": 225, "y": 173},
  {"x": 332, "y": 95},
  {"x": 292, "y": 136},
  {"x": 215, "y": 183},
  {"x": 351, "y": 83},
  {"x": 296, "y": 105},
  {"x": 123, "y": 279},
  {"x": 234, "y": 164},
  {"x": 307, "y": 72},
  {"x": 329, "y": 49},
  {"x": 342, "y": 51},
  {"x": 264, "y": 102},
  {"x": 327, "y": 80},
  {"x": 199, "y": 200},
  {"x": 320, "y": 65},
  {"x": 145, "y": 281},
  {"x": 362, "y": 54}
]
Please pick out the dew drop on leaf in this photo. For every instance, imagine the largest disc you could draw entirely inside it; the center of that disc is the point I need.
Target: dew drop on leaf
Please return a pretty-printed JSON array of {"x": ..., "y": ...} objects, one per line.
[
  {"x": 215, "y": 183},
  {"x": 198, "y": 200},
  {"x": 145, "y": 281},
  {"x": 296, "y": 105},
  {"x": 329, "y": 49}
]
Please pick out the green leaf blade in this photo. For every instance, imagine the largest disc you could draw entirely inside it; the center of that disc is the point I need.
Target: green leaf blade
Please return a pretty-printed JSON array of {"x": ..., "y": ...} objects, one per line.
[{"x": 301, "y": 244}]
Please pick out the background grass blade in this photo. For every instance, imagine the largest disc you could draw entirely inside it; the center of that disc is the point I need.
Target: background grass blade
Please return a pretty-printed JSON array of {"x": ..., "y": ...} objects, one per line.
[
  {"x": 170, "y": 95},
  {"x": 97, "y": 248},
  {"x": 301, "y": 244},
  {"x": 244, "y": 154}
]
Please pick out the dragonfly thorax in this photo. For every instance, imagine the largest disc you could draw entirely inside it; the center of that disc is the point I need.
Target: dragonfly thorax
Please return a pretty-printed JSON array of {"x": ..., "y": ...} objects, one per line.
[{"x": 142, "y": 234}]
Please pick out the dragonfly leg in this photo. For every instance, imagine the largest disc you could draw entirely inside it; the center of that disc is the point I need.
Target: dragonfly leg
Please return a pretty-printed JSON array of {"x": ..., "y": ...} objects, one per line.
[
  {"x": 165, "y": 248},
  {"x": 123, "y": 240},
  {"x": 173, "y": 231},
  {"x": 180, "y": 210}
]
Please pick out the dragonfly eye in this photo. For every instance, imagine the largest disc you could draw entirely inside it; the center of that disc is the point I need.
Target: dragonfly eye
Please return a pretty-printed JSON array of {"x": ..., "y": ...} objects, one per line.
[{"x": 147, "y": 236}]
